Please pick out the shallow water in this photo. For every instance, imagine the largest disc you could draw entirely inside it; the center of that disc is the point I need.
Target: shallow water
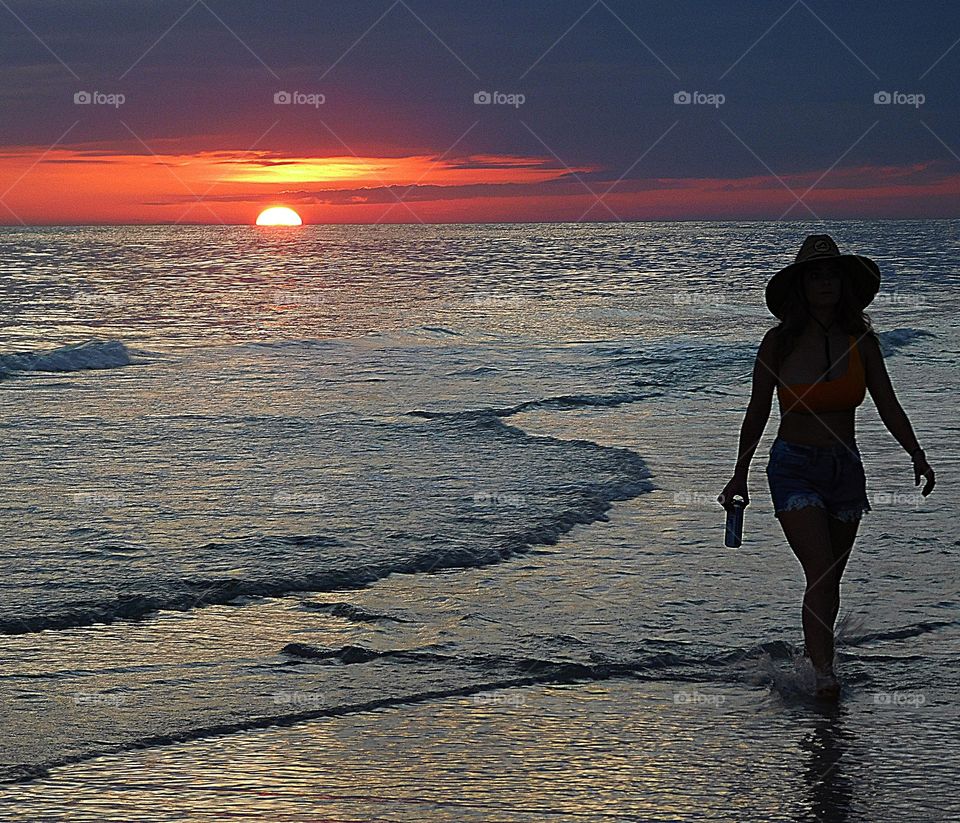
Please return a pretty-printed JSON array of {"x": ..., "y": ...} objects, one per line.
[
  {"x": 359, "y": 479},
  {"x": 527, "y": 755}
]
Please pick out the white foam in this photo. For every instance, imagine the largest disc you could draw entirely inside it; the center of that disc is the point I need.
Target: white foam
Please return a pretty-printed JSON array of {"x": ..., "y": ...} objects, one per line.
[
  {"x": 93, "y": 354},
  {"x": 895, "y": 339}
]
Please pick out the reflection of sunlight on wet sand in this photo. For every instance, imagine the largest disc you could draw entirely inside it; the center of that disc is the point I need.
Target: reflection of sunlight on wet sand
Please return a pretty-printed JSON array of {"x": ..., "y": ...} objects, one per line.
[
  {"x": 597, "y": 751},
  {"x": 619, "y": 749}
]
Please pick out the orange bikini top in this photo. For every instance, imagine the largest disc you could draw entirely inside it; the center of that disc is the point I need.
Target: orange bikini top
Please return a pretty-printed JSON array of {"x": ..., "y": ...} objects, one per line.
[{"x": 846, "y": 392}]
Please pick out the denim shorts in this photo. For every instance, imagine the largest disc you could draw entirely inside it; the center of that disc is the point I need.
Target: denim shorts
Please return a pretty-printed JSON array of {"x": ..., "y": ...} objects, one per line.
[{"x": 830, "y": 477}]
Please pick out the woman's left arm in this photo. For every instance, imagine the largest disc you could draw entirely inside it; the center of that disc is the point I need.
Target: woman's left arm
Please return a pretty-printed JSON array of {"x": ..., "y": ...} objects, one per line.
[{"x": 891, "y": 412}]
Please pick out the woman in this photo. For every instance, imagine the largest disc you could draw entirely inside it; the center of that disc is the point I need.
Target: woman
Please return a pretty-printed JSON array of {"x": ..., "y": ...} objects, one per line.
[{"x": 821, "y": 358}]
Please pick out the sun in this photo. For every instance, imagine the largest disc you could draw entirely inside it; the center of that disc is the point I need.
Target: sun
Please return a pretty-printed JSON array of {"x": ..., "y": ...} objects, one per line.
[{"x": 279, "y": 216}]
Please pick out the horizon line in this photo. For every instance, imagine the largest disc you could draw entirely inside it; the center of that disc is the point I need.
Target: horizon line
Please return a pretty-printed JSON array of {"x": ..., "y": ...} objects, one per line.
[{"x": 491, "y": 222}]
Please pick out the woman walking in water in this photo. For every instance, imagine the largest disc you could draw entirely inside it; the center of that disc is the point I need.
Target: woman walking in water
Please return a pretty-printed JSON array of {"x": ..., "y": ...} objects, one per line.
[{"x": 821, "y": 359}]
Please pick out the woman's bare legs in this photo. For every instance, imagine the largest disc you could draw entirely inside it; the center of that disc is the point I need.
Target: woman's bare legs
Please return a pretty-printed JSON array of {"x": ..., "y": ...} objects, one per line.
[
  {"x": 842, "y": 537},
  {"x": 822, "y": 545}
]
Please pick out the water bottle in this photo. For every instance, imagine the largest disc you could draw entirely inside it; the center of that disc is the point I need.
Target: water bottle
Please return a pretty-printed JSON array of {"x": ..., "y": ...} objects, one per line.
[{"x": 734, "y": 531}]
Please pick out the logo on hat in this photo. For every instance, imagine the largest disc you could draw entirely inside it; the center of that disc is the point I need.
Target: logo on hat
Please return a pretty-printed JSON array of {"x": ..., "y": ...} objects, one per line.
[
  {"x": 862, "y": 272},
  {"x": 817, "y": 246}
]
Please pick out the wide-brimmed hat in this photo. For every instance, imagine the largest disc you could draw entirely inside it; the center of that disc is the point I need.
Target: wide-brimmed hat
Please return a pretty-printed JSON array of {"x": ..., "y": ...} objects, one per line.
[{"x": 861, "y": 273}]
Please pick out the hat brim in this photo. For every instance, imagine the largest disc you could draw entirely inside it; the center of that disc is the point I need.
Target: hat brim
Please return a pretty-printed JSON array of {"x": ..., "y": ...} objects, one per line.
[{"x": 863, "y": 274}]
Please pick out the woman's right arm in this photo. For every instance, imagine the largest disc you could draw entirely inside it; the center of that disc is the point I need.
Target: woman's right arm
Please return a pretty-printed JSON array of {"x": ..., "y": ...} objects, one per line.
[
  {"x": 758, "y": 409},
  {"x": 755, "y": 420}
]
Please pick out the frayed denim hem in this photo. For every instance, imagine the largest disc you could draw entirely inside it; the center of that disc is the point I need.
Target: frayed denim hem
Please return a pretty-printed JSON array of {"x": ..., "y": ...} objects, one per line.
[
  {"x": 850, "y": 515},
  {"x": 801, "y": 501}
]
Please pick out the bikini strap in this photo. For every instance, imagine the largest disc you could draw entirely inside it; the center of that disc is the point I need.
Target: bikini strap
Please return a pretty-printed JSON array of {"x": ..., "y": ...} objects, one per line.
[{"x": 826, "y": 345}]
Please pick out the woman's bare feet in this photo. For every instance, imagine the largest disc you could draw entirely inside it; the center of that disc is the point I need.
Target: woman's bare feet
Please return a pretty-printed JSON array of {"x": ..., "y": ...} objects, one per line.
[{"x": 827, "y": 687}]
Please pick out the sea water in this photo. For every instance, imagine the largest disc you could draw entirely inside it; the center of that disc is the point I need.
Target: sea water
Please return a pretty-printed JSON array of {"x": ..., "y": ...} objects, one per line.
[{"x": 430, "y": 511}]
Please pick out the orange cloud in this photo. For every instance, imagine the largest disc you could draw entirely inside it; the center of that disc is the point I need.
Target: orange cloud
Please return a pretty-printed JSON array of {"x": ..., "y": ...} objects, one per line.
[
  {"x": 95, "y": 185},
  {"x": 71, "y": 185}
]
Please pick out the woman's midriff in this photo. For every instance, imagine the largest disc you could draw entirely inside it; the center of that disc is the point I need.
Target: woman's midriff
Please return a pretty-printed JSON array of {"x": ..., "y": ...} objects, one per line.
[{"x": 824, "y": 429}]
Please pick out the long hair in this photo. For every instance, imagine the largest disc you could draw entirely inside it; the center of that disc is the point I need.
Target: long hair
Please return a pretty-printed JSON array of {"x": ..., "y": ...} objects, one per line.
[{"x": 797, "y": 314}]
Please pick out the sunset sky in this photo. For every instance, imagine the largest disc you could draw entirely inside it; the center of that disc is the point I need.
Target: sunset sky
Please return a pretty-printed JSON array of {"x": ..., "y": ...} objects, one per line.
[{"x": 207, "y": 111}]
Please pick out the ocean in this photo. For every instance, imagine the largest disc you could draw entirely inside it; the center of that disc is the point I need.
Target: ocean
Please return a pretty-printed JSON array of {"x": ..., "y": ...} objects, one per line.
[{"x": 419, "y": 523}]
